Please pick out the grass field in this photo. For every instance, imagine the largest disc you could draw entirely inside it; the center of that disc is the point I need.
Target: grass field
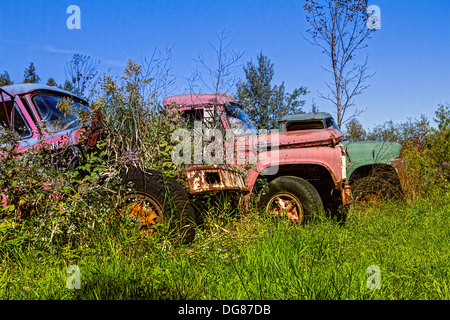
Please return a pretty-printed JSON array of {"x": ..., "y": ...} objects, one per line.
[{"x": 251, "y": 257}]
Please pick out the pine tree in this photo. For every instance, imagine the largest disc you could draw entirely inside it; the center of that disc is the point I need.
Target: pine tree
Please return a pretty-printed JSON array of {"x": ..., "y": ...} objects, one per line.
[
  {"x": 263, "y": 102},
  {"x": 30, "y": 75},
  {"x": 51, "y": 82},
  {"x": 5, "y": 79}
]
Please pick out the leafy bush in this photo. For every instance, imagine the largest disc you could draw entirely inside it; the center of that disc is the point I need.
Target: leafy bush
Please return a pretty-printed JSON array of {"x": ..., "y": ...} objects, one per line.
[
  {"x": 136, "y": 128},
  {"x": 48, "y": 208},
  {"x": 429, "y": 166},
  {"x": 411, "y": 132}
]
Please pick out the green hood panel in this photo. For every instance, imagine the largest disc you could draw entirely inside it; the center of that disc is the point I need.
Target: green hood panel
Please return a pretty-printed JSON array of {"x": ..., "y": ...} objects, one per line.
[{"x": 372, "y": 151}]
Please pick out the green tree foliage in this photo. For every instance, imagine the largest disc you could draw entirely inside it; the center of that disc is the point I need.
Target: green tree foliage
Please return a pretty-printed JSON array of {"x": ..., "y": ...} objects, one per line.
[
  {"x": 30, "y": 75},
  {"x": 68, "y": 86},
  {"x": 429, "y": 167},
  {"x": 355, "y": 131},
  {"x": 5, "y": 79},
  {"x": 411, "y": 132},
  {"x": 439, "y": 139},
  {"x": 51, "y": 82},
  {"x": 265, "y": 103}
]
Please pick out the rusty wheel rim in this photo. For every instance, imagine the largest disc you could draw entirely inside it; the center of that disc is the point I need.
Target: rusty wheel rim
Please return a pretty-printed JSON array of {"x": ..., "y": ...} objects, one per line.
[
  {"x": 143, "y": 212},
  {"x": 286, "y": 205}
]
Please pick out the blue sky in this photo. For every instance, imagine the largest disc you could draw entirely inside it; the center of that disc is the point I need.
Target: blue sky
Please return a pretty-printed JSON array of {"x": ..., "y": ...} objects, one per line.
[{"x": 410, "y": 54}]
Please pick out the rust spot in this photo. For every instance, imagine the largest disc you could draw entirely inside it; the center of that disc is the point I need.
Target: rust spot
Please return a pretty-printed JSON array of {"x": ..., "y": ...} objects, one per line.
[
  {"x": 93, "y": 134},
  {"x": 204, "y": 179},
  {"x": 346, "y": 194}
]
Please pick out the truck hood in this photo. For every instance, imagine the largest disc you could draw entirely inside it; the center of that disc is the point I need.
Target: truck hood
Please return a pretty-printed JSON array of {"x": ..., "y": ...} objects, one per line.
[
  {"x": 302, "y": 138},
  {"x": 379, "y": 151}
]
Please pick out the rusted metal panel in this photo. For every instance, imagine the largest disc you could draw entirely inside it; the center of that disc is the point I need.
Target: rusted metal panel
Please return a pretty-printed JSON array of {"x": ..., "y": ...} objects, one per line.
[
  {"x": 346, "y": 194},
  {"x": 211, "y": 178},
  {"x": 399, "y": 164}
]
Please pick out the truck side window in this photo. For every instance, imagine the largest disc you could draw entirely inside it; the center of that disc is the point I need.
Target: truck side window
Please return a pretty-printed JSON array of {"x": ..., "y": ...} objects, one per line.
[
  {"x": 190, "y": 116},
  {"x": 3, "y": 114},
  {"x": 19, "y": 124},
  {"x": 28, "y": 109},
  {"x": 16, "y": 118}
]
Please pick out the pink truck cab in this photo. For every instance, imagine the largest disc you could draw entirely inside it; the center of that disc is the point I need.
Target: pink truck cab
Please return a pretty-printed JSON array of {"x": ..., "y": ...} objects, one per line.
[
  {"x": 305, "y": 170},
  {"x": 30, "y": 112}
]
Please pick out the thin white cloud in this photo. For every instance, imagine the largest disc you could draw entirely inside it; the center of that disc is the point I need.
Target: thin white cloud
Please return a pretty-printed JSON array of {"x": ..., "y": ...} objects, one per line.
[{"x": 52, "y": 49}]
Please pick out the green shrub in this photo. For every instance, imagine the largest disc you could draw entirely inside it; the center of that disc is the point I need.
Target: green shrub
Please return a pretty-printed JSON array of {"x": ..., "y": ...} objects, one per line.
[
  {"x": 137, "y": 128},
  {"x": 429, "y": 169}
]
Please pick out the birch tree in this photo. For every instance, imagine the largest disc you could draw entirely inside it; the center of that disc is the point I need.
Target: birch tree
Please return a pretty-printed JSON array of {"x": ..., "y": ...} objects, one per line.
[{"x": 339, "y": 28}]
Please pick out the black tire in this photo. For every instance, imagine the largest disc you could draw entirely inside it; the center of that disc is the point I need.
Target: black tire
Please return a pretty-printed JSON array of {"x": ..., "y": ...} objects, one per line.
[
  {"x": 296, "y": 190},
  {"x": 372, "y": 189},
  {"x": 167, "y": 198}
]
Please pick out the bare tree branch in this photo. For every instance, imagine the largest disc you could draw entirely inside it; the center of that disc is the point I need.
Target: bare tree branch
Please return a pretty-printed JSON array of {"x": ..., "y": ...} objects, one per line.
[
  {"x": 220, "y": 78},
  {"x": 81, "y": 73},
  {"x": 159, "y": 68},
  {"x": 338, "y": 27}
]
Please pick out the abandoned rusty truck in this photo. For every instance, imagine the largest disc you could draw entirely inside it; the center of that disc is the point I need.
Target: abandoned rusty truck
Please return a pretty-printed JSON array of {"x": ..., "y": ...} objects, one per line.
[
  {"x": 305, "y": 171},
  {"x": 376, "y": 170},
  {"x": 31, "y": 113}
]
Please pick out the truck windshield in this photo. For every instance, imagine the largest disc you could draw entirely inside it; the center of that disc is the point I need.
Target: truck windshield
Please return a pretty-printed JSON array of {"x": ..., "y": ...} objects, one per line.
[
  {"x": 304, "y": 125},
  {"x": 312, "y": 124},
  {"x": 53, "y": 117},
  {"x": 239, "y": 122}
]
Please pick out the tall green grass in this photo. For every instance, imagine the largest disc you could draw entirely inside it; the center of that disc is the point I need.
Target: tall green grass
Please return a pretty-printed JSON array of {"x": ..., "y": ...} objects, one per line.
[{"x": 252, "y": 256}]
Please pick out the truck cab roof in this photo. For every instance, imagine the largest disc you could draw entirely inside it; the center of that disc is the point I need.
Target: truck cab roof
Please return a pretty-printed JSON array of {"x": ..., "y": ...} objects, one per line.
[
  {"x": 306, "y": 116},
  {"x": 307, "y": 121},
  {"x": 23, "y": 88}
]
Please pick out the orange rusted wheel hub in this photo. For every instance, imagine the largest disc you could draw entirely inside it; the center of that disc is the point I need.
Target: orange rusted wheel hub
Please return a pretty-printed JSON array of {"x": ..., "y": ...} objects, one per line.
[
  {"x": 143, "y": 212},
  {"x": 287, "y": 205}
]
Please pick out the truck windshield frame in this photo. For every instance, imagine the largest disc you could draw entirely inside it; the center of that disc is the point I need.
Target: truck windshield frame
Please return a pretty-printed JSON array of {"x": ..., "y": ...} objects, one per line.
[
  {"x": 53, "y": 118},
  {"x": 239, "y": 122}
]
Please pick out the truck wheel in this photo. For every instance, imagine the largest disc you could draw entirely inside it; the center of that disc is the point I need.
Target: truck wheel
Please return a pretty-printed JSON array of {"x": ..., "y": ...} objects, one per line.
[
  {"x": 157, "y": 199},
  {"x": 292, "y": 197},
  {"x": 373, "y": 189}
]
